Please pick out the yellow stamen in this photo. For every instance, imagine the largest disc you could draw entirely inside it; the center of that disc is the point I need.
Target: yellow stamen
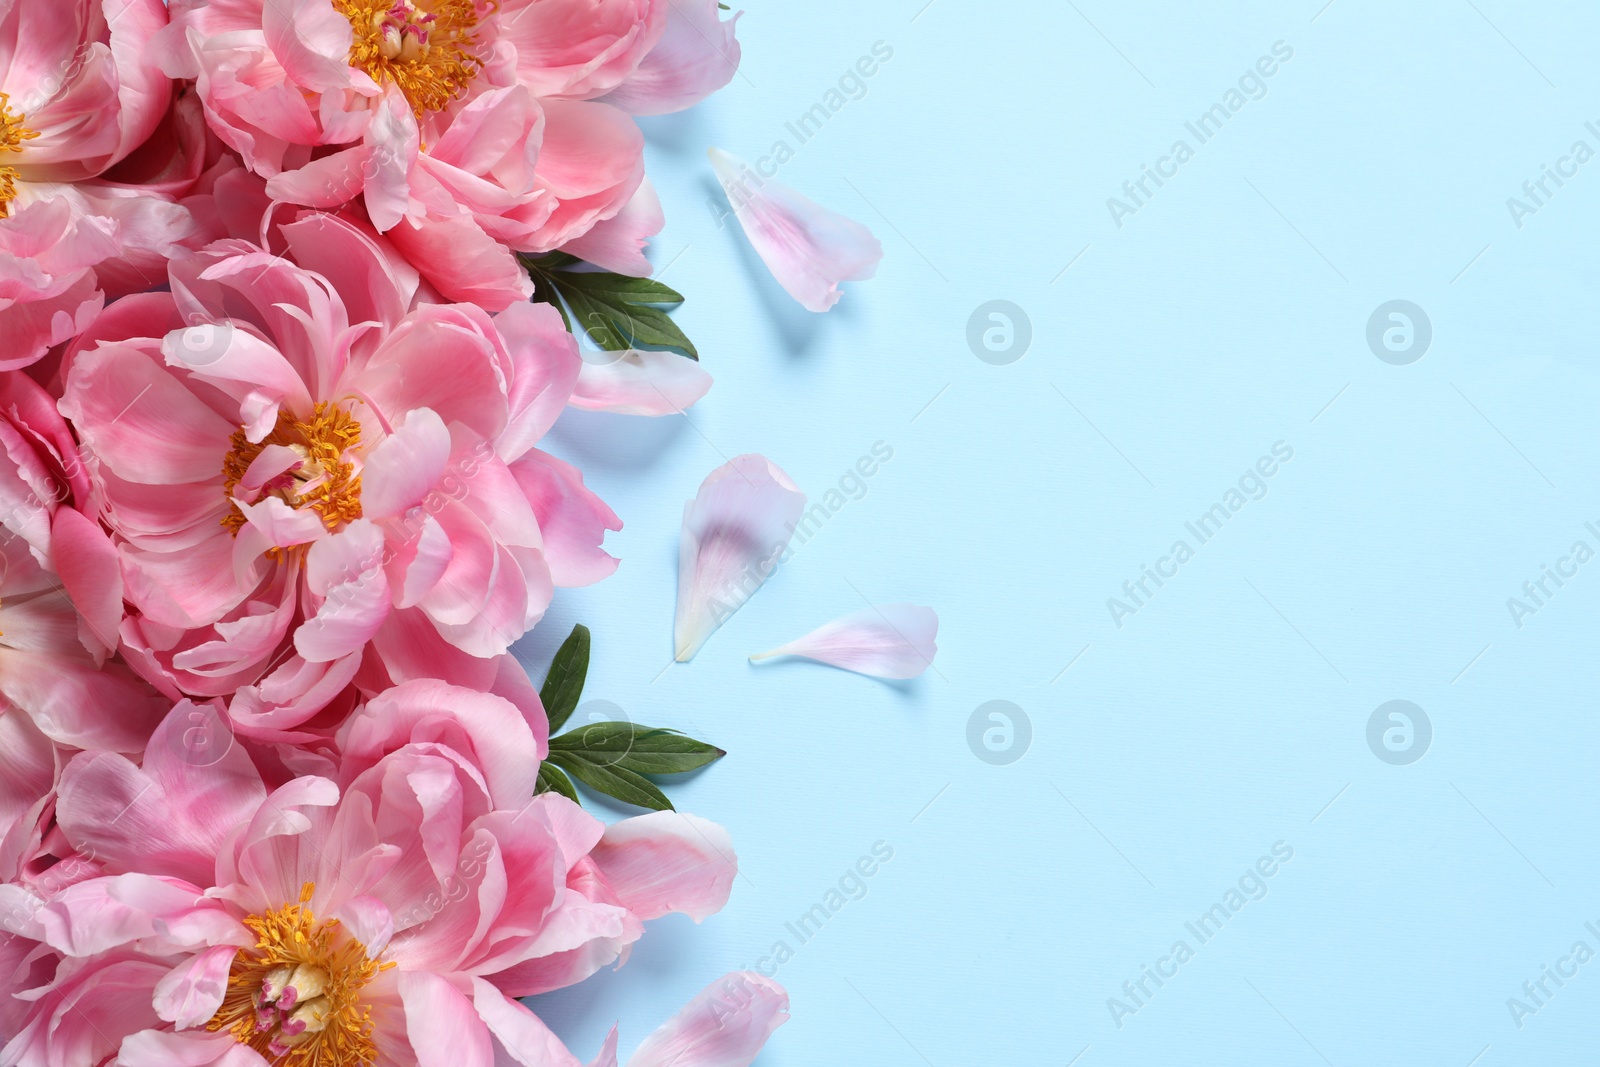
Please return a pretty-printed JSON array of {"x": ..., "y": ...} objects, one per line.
[
  {"x": 424, "y": 47},
  {"x": 331, "y": 1028},
  {"x": 12, "y": 134},
  {"x": 325, "y": 479}
]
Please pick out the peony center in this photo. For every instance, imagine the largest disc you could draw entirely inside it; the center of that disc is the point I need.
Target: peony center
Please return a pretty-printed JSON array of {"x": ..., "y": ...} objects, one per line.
[
  {"x": 12, "y": 134},
  {"x": 425, "y": 48},
  {"x": 295, "y": 996},
  {"x": 326, "y": 477}
]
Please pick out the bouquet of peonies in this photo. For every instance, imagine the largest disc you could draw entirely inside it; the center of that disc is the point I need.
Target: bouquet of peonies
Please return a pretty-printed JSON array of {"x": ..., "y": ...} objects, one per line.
[{"x": 288, "y": 293}]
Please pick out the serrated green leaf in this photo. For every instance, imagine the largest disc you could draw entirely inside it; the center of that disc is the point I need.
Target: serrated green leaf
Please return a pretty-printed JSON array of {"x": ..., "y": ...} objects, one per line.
[
  {"x": 641, "y": 749},
  {"x": 551, "y": 780},
  {"x": 564, "y": 684},
  {"x": 615, "y": 310},
  {"x": 624, "y": 785}
]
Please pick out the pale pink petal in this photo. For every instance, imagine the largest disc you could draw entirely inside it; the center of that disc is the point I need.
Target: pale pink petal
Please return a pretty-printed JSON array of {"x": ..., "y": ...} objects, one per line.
[
  {"x": 194, "y": 1048},
  {"x": 572, "y": 520},
  {"x": 639, "y": 383},
  {"x": 734, "y": 531},
  {"x": 191, "y": 992},
  {"x": 463, "y": 262},
  {"x": 607, "y": 1056},
  {"x": 479, "y": 725},
  {"x": 87, "y": 564},
  {"x": 545, "y": 367},
  {"x": 444, "y": 1027},
  {"x": 668, "y": 861},
  {"x": 617, "y": 244},
  {"x": 697, "y": 55},
  {"x": 520, "y": 1033},
  {"x": 346, "y": 572},
  {"x": 405, "y": 465},
  {"x": 725, "y": 1025},
  {"x": 808, "y": 248},
  {"x": 892, "y": 641}
]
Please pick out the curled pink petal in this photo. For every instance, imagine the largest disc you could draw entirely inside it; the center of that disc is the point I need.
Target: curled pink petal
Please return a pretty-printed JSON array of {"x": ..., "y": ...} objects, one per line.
[
  {"x": 725, "y": 1025},
  {"x": 697, "y": 55},
  {"x": 734, "y": 531},
  {"x": 639, "y": 383},
  {"x": 892, "y": 641},
  {"x": 808, "y": 248}
]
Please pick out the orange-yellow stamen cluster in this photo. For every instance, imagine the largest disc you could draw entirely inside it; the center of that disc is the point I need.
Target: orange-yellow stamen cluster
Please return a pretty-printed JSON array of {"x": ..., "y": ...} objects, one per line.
[
  {"x": 295, "y": 997},
  {"x": 12, "y": 134},
  {"x": 325, "y": 479},
  {"x": 423, "y": 47}
]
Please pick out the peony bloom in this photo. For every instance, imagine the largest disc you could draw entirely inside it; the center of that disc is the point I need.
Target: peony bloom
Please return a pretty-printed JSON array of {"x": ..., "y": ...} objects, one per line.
[
  {"x": 59, "y": 589},
  {"x": 78, "y": 96},
  {"x": 293, "y": 462},
  {"x": 465, "y": 129},
  {"x": 388, "y": 920}
]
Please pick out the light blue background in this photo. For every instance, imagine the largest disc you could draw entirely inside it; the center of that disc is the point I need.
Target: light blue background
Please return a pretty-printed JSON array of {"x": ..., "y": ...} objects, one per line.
[{"x": 1230, "y": 712}]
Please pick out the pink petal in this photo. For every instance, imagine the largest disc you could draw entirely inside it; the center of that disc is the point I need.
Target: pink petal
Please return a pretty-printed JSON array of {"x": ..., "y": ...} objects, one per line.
[
  {"x": 462, "y": 262},
  {"x": 171, "y": 816},
  {"x": 734, "y": 532},
  {"x": 697, "y": 55},
  {"x": 808, "y": 248},
  {"x": 892, "y": 641},
  {"x": 572, "y": 520},
  {"x": 545, "y": 367},
  {"x": 479, "y": 725},
  {"x": 617, "y": 244},
  {"x": 346, "y": 571},
  {"x": 520, "y": 1033},
  {"x": 405, "y": 465},
  {"x": 191, "y": 992},
  {"x": 444, "y": 1027},
  {"x": 668, "y": 861},
  {"x": 639, "y": 383},
  {"x": 725, "y": 1025}
]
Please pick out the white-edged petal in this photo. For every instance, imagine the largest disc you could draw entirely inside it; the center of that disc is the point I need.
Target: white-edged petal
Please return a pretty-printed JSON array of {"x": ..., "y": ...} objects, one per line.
[
  {"x": 808, "y": 248},
  {"x": 891, "y": 641},
  {"x": 734, "y": 531},
  {"x": 639, "y": 383}
]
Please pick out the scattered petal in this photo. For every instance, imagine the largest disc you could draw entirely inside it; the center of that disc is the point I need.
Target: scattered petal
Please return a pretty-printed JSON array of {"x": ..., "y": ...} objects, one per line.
[
  {"x": 734, "y": 531},
  {"x": 725, "y": 1025},
  {"x": 639, "y": 383},
  {"x": 892, "y": 641},
  {"x": 808, "y": 248}
]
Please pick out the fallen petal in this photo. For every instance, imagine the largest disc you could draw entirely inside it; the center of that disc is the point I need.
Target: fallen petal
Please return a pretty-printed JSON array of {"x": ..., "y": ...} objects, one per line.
[
  {"x": 892, "y": 641},
  {"x": 639, "y": 383},
  {"x": 734, "y": 531},
  {"x": 725, "y": 1025},
  {"x": 808, "y": 248}
]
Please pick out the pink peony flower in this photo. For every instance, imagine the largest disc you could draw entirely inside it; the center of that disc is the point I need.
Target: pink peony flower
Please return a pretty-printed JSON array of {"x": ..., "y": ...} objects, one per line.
[
  {"x": 294, "y": 463},
  {"x": 386, "y": 920},
  {"x": 60, "y": 601},
  {"x": 78, "y": 96},
  {"x": 466, "y": 129}
]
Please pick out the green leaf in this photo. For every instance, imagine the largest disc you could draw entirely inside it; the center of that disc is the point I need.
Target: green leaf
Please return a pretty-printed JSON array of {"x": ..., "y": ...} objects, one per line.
[
  {"x": 641, "y": 749},
  {"x": 564, "y": 684},
  {"x": 551, "y": 780},
  {"x": 624, "y": 785},
  {"x": 615, "y": 310}
]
